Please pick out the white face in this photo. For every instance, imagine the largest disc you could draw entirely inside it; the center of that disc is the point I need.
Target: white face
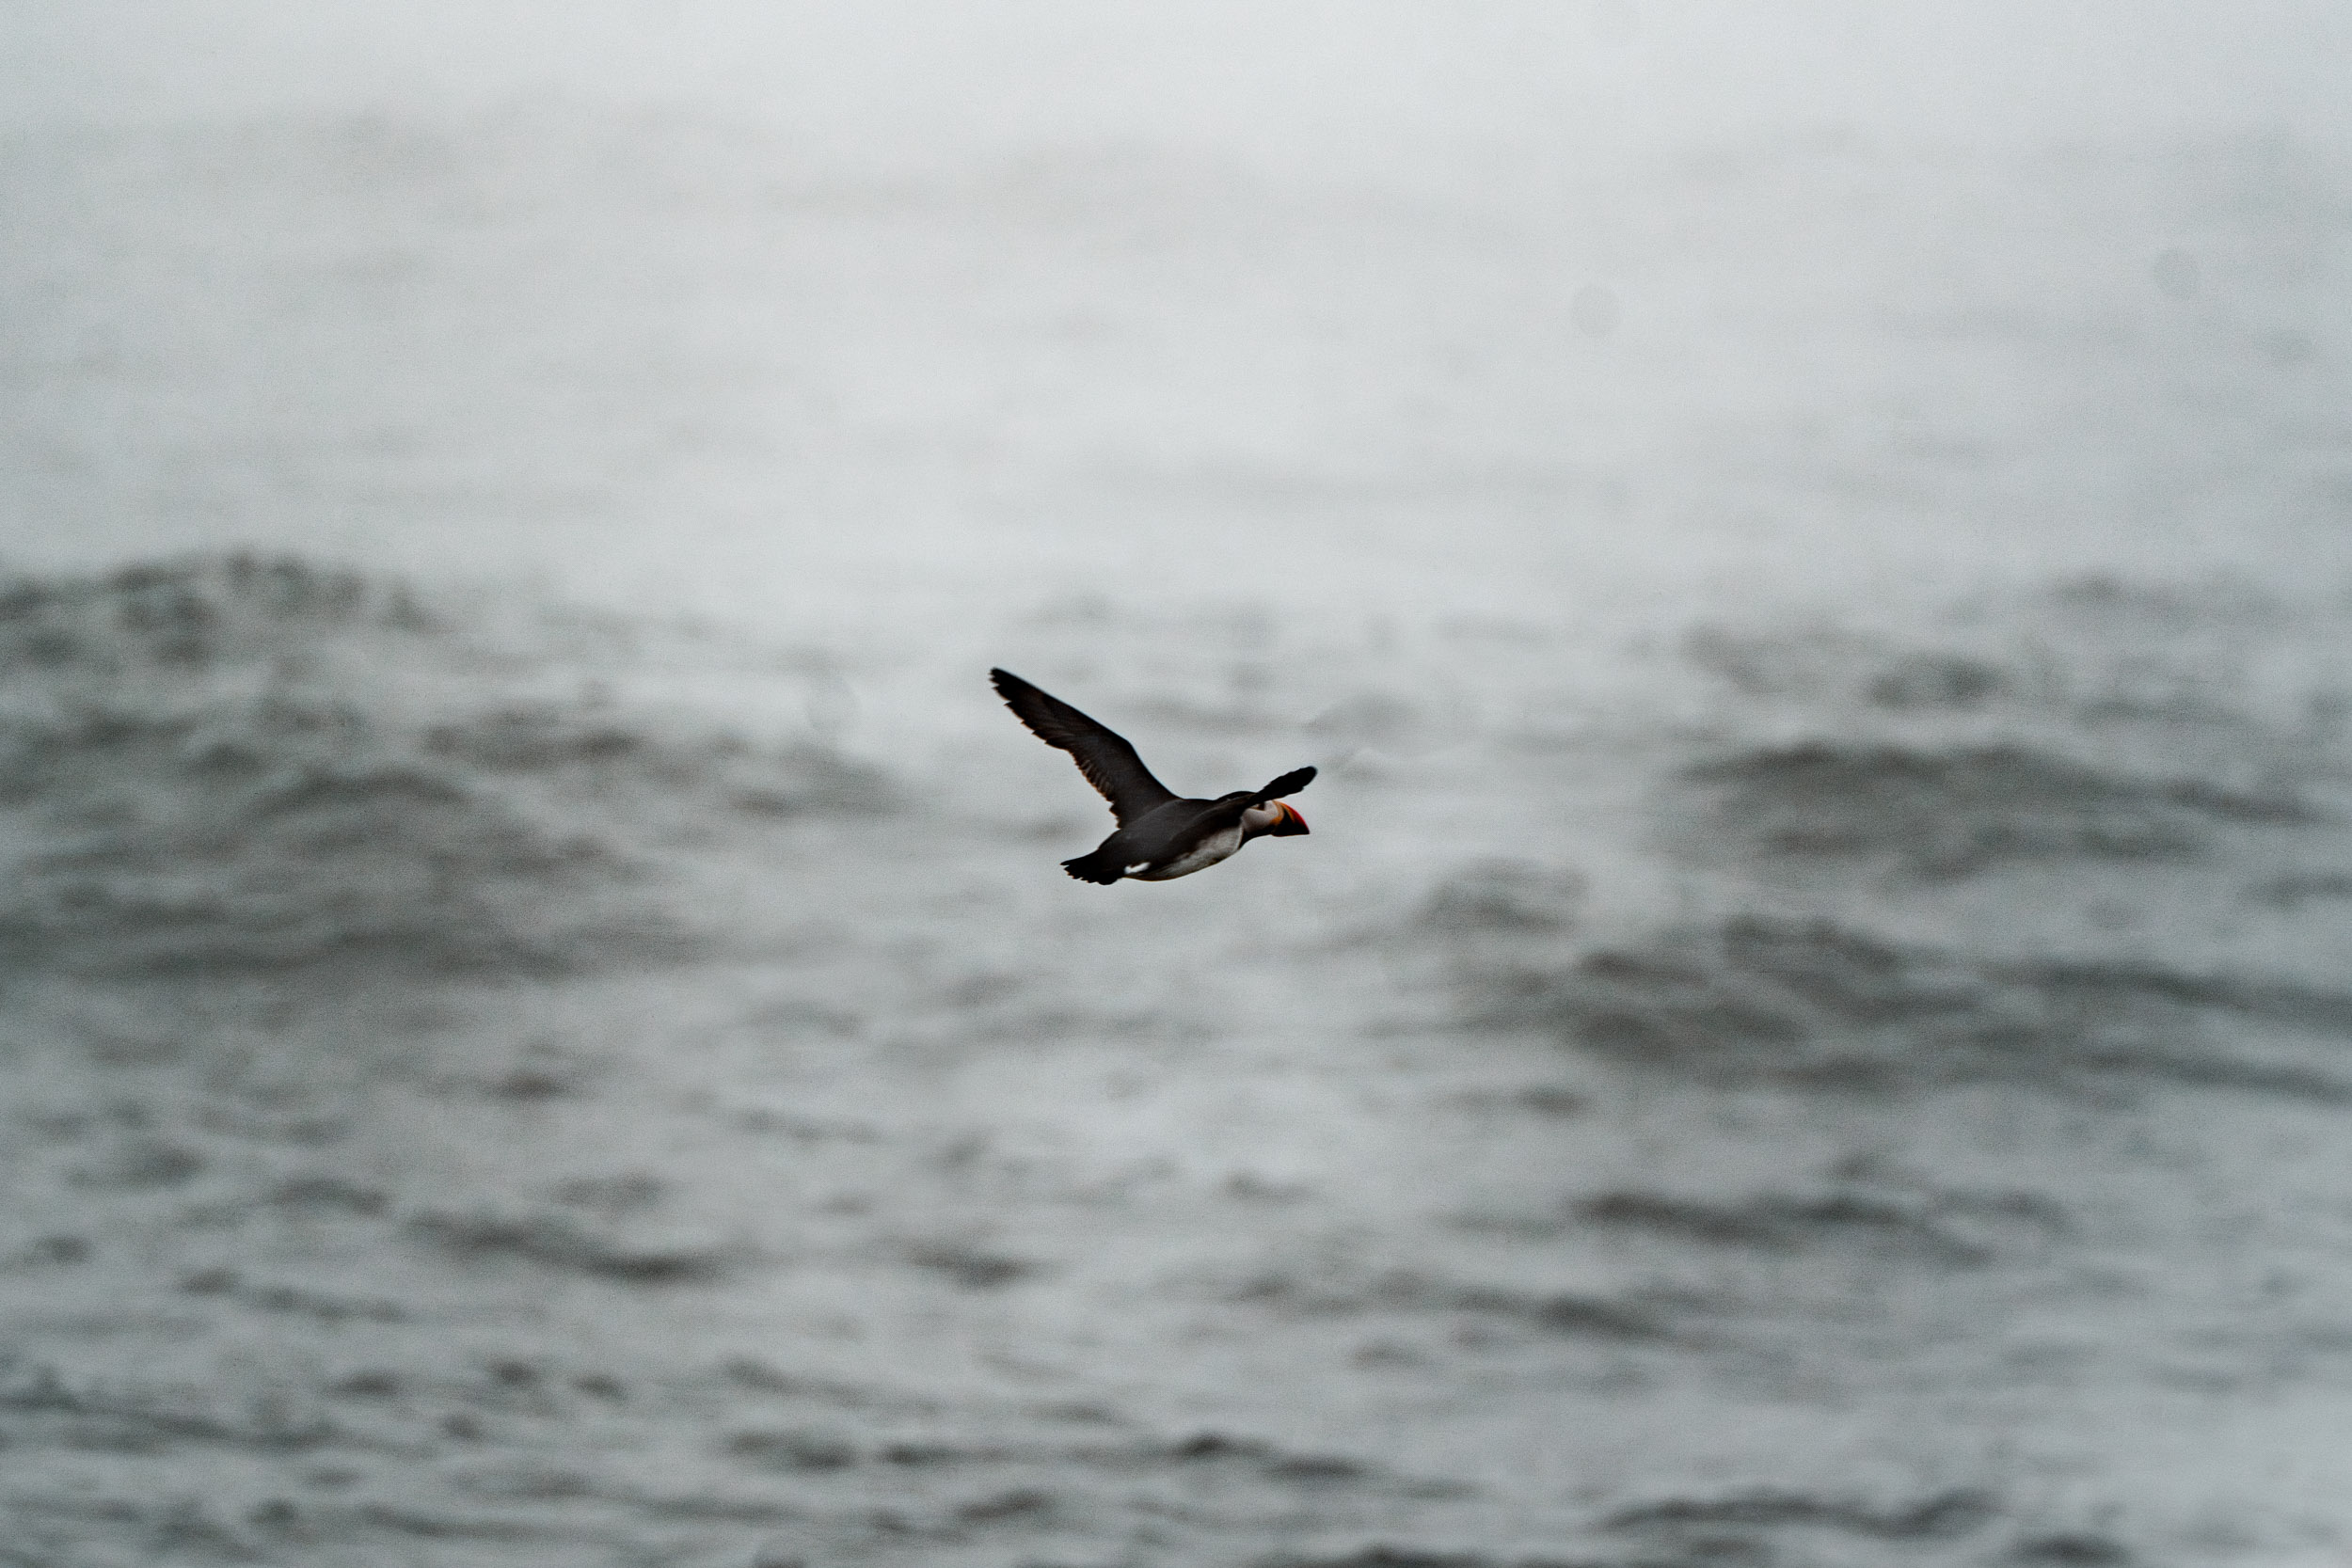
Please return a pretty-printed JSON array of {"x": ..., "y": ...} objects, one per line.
[{"x": 1266, "y": 815}]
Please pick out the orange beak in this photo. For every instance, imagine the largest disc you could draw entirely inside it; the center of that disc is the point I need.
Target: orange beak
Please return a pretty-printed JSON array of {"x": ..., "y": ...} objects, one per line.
[{"x": 1291, "y": 824}]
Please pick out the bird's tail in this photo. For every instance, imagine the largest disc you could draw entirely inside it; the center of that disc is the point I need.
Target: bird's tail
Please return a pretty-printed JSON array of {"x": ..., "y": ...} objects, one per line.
[{"x": 1095, "y": 866}]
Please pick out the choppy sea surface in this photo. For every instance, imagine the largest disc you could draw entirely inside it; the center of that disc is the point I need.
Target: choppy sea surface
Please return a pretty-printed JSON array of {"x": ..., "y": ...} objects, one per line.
[{"x": 539, "y": 1022}]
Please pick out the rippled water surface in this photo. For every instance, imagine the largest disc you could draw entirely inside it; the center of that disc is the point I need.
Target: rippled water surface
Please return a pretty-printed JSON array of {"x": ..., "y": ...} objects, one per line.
[{"x": 541, "y": 1024}]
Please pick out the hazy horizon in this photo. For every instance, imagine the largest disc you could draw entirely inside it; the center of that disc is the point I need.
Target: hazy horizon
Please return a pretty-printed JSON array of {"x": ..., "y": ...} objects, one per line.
[{"x": 1360, "y": 87}]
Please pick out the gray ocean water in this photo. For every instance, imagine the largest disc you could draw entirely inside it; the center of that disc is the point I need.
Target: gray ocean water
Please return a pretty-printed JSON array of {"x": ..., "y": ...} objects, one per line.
[{"x": 540, "y": 1024}]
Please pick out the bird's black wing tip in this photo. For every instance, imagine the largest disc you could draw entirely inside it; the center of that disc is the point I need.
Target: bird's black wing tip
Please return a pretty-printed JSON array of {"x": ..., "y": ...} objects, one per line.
[
  {"x": 1289, "y": 784},
  {"x": 1012, "y": 691}
]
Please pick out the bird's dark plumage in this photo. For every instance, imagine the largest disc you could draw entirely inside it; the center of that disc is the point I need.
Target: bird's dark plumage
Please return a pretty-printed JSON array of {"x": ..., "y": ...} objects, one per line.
[
  {"x": 1109, "y": 763},
  {"x": 1160, "y": 836}
]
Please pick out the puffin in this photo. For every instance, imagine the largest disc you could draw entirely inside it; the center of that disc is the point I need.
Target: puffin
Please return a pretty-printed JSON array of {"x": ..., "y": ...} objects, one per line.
[{"x": 1160, "y": 836}]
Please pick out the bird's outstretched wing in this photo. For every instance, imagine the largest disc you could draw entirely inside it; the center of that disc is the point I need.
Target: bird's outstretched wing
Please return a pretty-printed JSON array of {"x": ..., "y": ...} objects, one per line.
[
  {"x": 1108, "y": 762},
  {"x": 1289, "y": 784}
]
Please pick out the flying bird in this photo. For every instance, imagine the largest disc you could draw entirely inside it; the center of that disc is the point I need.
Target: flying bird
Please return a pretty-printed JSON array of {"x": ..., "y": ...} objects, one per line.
[{"x": 1160, "y": 836}]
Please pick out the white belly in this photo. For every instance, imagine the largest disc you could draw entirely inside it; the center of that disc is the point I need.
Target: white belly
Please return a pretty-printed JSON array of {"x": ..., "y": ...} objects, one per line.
[{"x": 1206, "y": 853}]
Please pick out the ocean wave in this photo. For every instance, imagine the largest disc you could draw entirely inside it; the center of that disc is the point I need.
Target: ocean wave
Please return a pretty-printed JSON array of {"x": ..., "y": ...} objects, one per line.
[
  {"x": 193, "y": 613},
  {"x": 590, "y": 744},
  {"x": 1502, "y": 897},
  {"x": 1781, "y": 1222},
  {"x": 1854, "y": 670},
  {"x": 1635, "y": 1319},
  {"x": 1385, "y": 1555},
  {"x": 1952, "y": 812},
  {"x": 1758, "y": 999},
  {"x": 238, "y": 764},
  {"x": 559, "y": 1241},
  {"x": 1942, "y": 1517},
  {"x": 2071, "y": 1550},
  {"x": 2096, "y": 651},
  {"x": 822, "y": 1445},
  {"x": 136, "y": 1416},
  {"x": 2293, "y": 890}
]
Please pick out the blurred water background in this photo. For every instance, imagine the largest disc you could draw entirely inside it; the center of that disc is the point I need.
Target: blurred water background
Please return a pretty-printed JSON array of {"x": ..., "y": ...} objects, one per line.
[{"x": 540, "y": 1024}]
